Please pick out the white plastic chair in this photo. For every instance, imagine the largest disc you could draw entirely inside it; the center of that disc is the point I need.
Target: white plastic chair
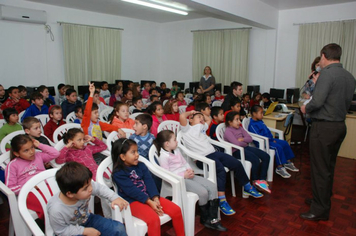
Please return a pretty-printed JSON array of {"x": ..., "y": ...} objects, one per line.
[
  {"x": 145, "y": 101},
  {"x": 131, "y": 109},
  {"x": 2, "y": 122},
  {"x": 104, "y": 115},
  {"x": 189, "y": 199},
  {"x": 20, "y": 115},
  {"x": 61, "y": 130},
  {"x": 112, "y": 137},
  {"x": 228, "y": 150},
  {"x": 217, "y": 103},
  {"x": 70, "y": 117},
  {"x": 43, "y": 118},
  {"x": 135, "y": 226},
  {"x": 7, "y": 139},
  {"x": 187, "y": 100},
  {"x": 16, "y": 224},
  {"x": 165, "y": 101},
  {"x": 189, "y": 95},
  {"x": 182, "y": 109},
  {"x": 107, "y": 100},
  {"x": 169, "y": 125},
  {"x": 133, "y": 116}
]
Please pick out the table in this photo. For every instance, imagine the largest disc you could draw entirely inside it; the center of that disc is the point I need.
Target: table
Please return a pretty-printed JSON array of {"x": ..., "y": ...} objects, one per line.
[
  {"x": 348, "y": 147},
  {"x": 278, "y": 122}
]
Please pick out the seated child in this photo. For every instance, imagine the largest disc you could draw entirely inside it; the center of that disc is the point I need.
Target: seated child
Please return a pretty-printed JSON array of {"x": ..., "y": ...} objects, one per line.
[
  {"x": 217, "y": 115},
  {"x": 23, "y": 92},
  {"x": 207, "y": 98},
  {"x": 60, "y": 97},
  {"x": 127, "y": 96},
  {"x": 162, "y": 89},
  {"x": 68, "y": 210},
  {"x": 142, "y": 135},
  {"x": 104, "y": 92},
  {"x": 235, "y": 105},
  {"x": 48, "y": 99},
  {"x": 256, "y": 99},
  {"x": 167, "y": 95},
  {"x": 245, "y": 103},
  {"x": 136, "y": 90},
  {"x": 78, "y": 114},
  {"x": 26, "y": 163},
  {"x": 55, "y": 120},
  {"x": 116, "y": 95},
  {"x": 154, "y": 91},
  {"x": 76, "y": 150},
  {"x": 283, "y": 151},
  {"x": 171, "y": 110},
  {"x": 3, "y": 98},
  {"x": 266, "y": 98},
  {"x": 196, "y": 140},
  {"x": 37, "y": 107},
  {"x": 14, "y": 101},
  {"x": 91, "y": 124},
  {"x": 70, "y": 103},
  {"x": 146, "y": 91},
  {"x": 218, "y": 96},
  {"x": 11, "y": 117},
  {"x": 175, "y": 89},
  {"x": 121, "y": 117},
  {"x": 258, "y": 158},
  {"x": 153, "y": 98},
  {"x": 135, "y": 185},
  {"x": 138, "y": 104},
  {"x": 180, "y": 99},
  {"x": 97, "y": 100},
  {"x": 32, "y": 127},
  {"x": 172, "y": 160},
  {"x": 156, "y": 111}
]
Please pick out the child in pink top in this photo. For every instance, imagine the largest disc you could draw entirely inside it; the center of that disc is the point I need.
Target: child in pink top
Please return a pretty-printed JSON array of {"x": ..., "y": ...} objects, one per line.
[
  {"x": 121, "y": 117},
  {"x": 26, "y": 163},
  {"x": 76, "y": 150},
  {"x": 157, "y": 113},
  {"x": 146, "y": 92},
  {"x": 180, "y": 99}
]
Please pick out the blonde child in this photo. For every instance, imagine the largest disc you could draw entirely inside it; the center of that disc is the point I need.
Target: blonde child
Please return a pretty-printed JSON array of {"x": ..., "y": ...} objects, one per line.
[
  {"x": 171, "y": 110},
  {"x": 157, "y": 113},
  {"x": 283, "y": 151},
  {"x": 135, "y": 185},
  {"x": 172, "y": 160},
  {"x": 55, "y": 115},
  {"x": 26, "y": 163},
  {"x": 121, "y": 117}
]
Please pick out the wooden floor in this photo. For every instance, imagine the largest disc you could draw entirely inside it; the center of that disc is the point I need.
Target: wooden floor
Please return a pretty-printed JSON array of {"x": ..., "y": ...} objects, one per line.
[{"x": 278, "y": 213}]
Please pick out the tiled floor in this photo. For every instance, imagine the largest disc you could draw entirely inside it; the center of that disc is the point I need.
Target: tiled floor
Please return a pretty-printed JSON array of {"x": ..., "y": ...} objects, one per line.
[{"x": 278, "y": 213}]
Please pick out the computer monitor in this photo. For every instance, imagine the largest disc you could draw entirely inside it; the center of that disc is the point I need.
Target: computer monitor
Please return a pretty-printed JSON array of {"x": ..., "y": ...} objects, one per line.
[
  {"x": 253, "y": 89},
  {"x": 51, "y": 90},
  {"x": 276, "y": 93},
  {"x": 217, "y": 87},
  {"x": 83, "y": 89},
  {"x": 181, "y": 86},
  {"x": 226, "y": 89},
  {"x": 193, "y": 86}
]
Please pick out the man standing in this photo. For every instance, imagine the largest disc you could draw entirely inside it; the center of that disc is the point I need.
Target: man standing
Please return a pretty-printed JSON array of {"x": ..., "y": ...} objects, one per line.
[{"x": 331, "y": 100}]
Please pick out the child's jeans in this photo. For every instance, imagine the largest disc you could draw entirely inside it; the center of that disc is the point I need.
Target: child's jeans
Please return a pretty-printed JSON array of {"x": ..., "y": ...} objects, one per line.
[{"x": 105, "y": 226}]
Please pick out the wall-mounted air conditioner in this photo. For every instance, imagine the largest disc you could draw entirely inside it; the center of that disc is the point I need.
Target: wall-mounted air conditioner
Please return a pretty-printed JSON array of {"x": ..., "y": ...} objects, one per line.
[{"x": 22, "y": 15}]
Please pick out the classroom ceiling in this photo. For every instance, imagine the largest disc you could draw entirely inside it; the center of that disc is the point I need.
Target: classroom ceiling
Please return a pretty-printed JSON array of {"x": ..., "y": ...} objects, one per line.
[{"x": 292, "y": 4}]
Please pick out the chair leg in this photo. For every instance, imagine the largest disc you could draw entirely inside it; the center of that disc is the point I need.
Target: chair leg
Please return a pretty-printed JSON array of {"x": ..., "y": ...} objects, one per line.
[
  {"x": 306, "y": 133},
  {"x": 11, "y": 227},
  {"x": 232, "y": 175}
]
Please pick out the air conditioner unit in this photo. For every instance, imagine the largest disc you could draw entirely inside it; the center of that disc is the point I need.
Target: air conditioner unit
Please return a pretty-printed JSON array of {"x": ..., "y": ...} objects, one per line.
[{"x": 22, "y": 15}]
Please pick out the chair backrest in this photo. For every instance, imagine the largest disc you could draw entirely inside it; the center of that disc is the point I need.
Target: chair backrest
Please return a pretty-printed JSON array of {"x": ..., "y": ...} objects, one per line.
[
  {"x": 43, "y": 186},
  {"x": 187, "y": 100},
  {"x": 133, "y": 116},
  {"x": 169, "y": 125},
  {"x": 112, "y": 137},
  {"x": 165, "y": 101},
  {"x": 43, "y": 118},
  {"x": 246, "y": 123},
  {"x": 7, "y": 139},
  {"x": 104, "y": 115},
  {"x": 2, "y": 122},
  {"x": 220, "y": 130},
  {"x": 145, "y": 101},
  {"x": 4, "y": 160},
  {"x": 131, "y": 109},
  {"x": 189, "y": 95},
  {"x": 107, "y": 100},
  {"x": 61, "y": 130},
  {"x": 70, "y": 117},
  {"x": 21, "y": 114},
  {"x": 217, "y": 103},
  {"x": 182, "y": 109}
]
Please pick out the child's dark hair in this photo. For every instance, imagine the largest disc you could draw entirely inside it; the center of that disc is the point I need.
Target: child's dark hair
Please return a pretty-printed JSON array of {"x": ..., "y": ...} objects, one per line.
[
  {"x": 36, "y": 95},
  {"x": 17, "y": 142},
  {"x": 8, "y": 112},
  {"x": 41, "y": 88},
  {"x": 180, "y": 92},
  {"x": 230, "y": 117},
  {"x": 162, "y": 137},
  {"x": 255, "y": 95},
  {"x": 151, "y": 90},
  {"x": 12, "y": 88},
  {"x": 120, "y": 146},
  {"x": 94, "y": 107},
  {"x": 69, "y": 91},
  {"x": 78, "y": 109},
  {"x": 96, "y": 92},
  {"x": 135, "y": 100},
  {"x": 145, "y": 119},
  {"x": 151, "y": 109},
  {"x": 234, "y": 101},
  {"x": 266, "y": 95},
  {"x": 116, "y": 88},
  {"x": 215, "y": 111},
  {"x": 126, "y": 91},
  {"x": 153, "y": 97},
  {"x": 162, "y": 83},
  {"x": 255, "y": 109},
  {"x": 21, "y": 88},
  {"x": 174, "y": 83},
  {"x": 29, "y": 121},
  {"x": 60, "y": 86},
  {"x": 245, "y": 95},
  {"x": 103, "y": 83},
  {"x": 72, "y": 176},
  {"x": 201, "y": 106},
  {"x": 71, "y": 133}
]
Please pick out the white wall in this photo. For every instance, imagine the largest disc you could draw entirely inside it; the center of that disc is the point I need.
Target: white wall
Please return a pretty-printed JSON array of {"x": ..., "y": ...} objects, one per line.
[{"x": 288, "y": 35}]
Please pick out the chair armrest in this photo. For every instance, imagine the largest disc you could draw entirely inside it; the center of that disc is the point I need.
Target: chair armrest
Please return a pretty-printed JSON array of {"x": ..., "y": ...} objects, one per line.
[
  {"x": 261, "y": 142},
  {"x": 241, "y": 149},
  {"x": 228, "y": 149},
  {"x": 279, "y": 132},
  {"x": 125, "y": 215},
  {"x": 106, "y": 152}
]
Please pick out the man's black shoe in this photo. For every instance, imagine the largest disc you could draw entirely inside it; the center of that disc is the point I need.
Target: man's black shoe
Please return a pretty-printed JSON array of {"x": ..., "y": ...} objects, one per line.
[{"x": 311, "y": 216}]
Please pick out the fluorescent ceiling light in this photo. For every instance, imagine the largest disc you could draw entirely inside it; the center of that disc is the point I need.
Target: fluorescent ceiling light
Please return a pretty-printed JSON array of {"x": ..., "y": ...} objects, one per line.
[
  {"x": 147, "y": 4},
  {"x": 175, "y": 5}
]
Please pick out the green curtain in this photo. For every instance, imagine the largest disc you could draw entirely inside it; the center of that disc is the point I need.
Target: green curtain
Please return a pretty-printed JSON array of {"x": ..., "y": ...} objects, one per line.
[
  {"x": 91, "y": 53},
  {"x": 225, "y": 51},
  {"x": 313, "y": 37}
]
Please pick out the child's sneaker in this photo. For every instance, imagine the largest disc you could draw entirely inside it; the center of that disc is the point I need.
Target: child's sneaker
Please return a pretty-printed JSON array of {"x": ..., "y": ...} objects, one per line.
[
  {"x": 226, "y": 208},
  {"x": 252, "y": 191},
  {"x": 262, "y": 185},
  {"x": 290, "y": 166},
  {"x": 283, "y": 172}
]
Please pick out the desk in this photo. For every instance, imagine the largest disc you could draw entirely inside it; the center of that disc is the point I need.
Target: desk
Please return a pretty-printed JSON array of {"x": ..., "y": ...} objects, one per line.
[
  {"x": 348, "y": 147},
  {"x": 278, "y": 123}
]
